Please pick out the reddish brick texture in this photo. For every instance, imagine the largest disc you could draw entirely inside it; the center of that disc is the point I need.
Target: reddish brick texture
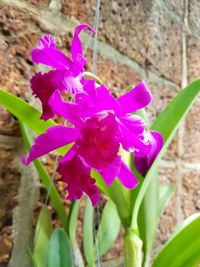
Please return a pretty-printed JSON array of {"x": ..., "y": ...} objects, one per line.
[{"x": 147, "y": 33}]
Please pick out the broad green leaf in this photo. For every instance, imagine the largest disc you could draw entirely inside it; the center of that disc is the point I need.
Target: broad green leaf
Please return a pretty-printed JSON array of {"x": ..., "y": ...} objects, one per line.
[
  {"x": 167, "y": 123},
  {"x": 108, "y": 229},
  {"x": 88, "y": 236},
  {"x": 60, "y": 252},
  {"x": 165, "y": 193},
  {"x": 183, "y": 248},
  {"x": 45, "y": 179},
  {"x": 42, "y": 236},
  {"x": 73, "y": 217},
  {"x": 147, "y": 217}
]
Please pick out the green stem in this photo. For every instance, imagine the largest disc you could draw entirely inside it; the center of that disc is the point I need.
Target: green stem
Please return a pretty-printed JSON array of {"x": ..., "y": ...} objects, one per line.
[
  {"x": 90, "y": 75},
  {"x": 133, "y": 249}
]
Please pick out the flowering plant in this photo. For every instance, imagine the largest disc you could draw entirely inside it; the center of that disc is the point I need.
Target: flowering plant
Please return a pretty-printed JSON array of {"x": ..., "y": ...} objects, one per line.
[
  {"x": 99, "y": 123},
  {"x": 109, "y": 147}
]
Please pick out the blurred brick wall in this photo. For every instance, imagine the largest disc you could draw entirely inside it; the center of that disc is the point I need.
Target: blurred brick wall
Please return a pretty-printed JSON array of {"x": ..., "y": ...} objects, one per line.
[{"x": 158, "y": 41}]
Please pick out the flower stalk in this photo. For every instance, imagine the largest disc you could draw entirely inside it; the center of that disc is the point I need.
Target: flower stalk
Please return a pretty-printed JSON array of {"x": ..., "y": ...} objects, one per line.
[{"x": 133, "y": 249}]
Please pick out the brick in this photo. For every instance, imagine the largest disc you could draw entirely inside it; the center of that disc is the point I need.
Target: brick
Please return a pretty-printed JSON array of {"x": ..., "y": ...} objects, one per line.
[
  {"x": 39, "y": 3},
  {"x": 5, "y": 248},
  {"x": 8, "y": 125},
  {"x": 193, "y": 51},
  {"x": 83, "y": 10},
  {"x": 194, "y": 22},
  {"x": 162, "y": 96},
  {"x": 167, "y": 175},
  {"x": 19, "y": 31},
  {"x": 9, "y": 184},
  {"x": 167, "y": 224},
  {"x": 176, "y": 7},
  {"x": 168, "y": 220},
  {"x": 191, "y": 193},
  {"x": 192, "y": 134},
  {"x": 17, "y": 38}
]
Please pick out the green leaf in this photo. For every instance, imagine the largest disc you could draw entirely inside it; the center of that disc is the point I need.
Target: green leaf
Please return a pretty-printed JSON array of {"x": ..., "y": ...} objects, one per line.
[
  {"x": 42, "y": 236},
  {"x": 59, "y": 253},
  {"x": 167, "y": 123},
  {"x": 183, "y": 248},
  {"x": 88, "y": 237},
  {"x": 45, "y": 179},
  {"x": 24, "y": 112},
  {"x": 73, "y": 217},
  {"x": 165, "y": 193},
  {"x": 147, "y": 218},
  {"x": 108, "y": 229}
]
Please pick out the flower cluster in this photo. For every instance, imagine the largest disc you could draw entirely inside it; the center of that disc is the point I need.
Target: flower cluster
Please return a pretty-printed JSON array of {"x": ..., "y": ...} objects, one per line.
[{"x": 99, "y": 123}]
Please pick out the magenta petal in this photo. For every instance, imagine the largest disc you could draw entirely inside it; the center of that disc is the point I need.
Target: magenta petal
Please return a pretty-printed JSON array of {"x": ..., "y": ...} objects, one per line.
[
  {"x": 156, "y": 141},
  {"x": 46, "y": 40},
  {"x": 137, "y": 143},
  {"x": 73, "y": 84},
  {"x": 112, "y": 171},
  {"x": 53, "y": 138},
  {"x": 134, "y": 123},
  {"x": 106, "y": 101},
  {"x": 81, "y": 27},
  {"x": 43, "y": 88},
  {"x": 70, "y": 111},
  {"x": 143, "y": 164},
  {"x": 96, "y": 101},
  {"x": 76, "y": 47},
  {"x": 127, "y": 177},
  {"x": 64, "y": 80},
  {"x": 137, "y": 98},
  {"x": 99, "y": 143},
  {"x": 51, "y": 56},
  {"x": 77, "y": 177}
]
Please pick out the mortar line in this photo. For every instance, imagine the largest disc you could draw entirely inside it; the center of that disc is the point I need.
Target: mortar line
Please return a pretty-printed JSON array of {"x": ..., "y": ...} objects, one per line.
[
  {"x": 190, "y": 166},
  {"x": 186, "y": 165}
]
